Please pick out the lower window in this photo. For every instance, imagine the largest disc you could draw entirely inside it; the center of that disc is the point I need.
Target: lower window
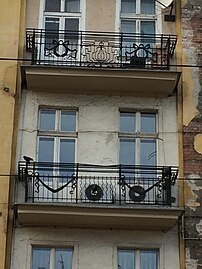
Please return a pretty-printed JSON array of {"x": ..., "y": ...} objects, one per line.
[
  {"x": 51, "y": 258},
  {"x": 137, "y": 259}
]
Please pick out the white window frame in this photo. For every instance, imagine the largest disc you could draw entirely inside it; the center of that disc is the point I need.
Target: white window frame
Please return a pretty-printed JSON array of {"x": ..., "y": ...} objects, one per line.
[
  {"x": 52, "y": 253},
  {"x": 157, "y": 17},
  {"x": 80, "y": 15},
  {"x": 137, "y": 135},
  {"x": 137, "y": 252},
  {"x": 57, "y": 134}
]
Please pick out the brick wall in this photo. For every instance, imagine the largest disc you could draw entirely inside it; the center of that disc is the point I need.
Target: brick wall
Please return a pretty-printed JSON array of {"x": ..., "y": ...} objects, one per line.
[{"x": 192, "y": 47}]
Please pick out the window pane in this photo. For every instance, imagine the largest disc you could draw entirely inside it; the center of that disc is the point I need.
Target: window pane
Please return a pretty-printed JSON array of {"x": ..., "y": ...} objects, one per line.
[
  {"x": 127, "y": 151},
  {"x": 51, "y": 33},
  {"x": 72, "y": 25},
  {"x": 63, "y": 258},
  {"x": 148, "y": 123},
  {"x": 127, "y": 122},
  {"x": 68, "y": 121},
  {"x": 47, "y": 120},
  {"x": 128, "y": 26},
  {"x": 72, "y": 5},
  {"x": 147, "y": 6},
  {"x": 41, "y": 258},
  {"x": 148, "y": 260},
  {"x": 52, "y": 5},
  {"x": 128, "y": 6},
  {"x": 148, "y": 152},
  {"x": 126, "y": 259},
  {"x": 46, "y": 149},
  {"x": 148, "y": 27},
  {"x": 67, "y": 150}
]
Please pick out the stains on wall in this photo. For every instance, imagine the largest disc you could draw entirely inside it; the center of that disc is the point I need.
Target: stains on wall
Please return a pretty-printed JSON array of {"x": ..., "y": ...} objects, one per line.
[{"x": 192, "y": 131}]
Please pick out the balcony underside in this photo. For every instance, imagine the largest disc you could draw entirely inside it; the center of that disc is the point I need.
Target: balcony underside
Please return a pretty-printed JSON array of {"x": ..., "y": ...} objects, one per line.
[
  {"x": 103, "y": 81},
  {"x": 97, "y": 217}
]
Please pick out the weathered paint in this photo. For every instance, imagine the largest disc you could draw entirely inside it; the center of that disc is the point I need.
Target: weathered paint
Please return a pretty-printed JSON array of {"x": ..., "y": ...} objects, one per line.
[
  {"x": 198, "y": 143},
  {"x": 98, "y": 124},
  {"x": 94, "y": 248},
  {"x": 10, "y": 19},
  {"x": 192, "y": 131}
]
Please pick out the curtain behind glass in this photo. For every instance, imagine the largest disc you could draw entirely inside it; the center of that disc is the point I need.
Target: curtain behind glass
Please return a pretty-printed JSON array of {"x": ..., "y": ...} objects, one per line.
[
  {"x": 148, "y": 260},
  {"x": 41, "y": 258},
  {"x": 126, "y": 259}
]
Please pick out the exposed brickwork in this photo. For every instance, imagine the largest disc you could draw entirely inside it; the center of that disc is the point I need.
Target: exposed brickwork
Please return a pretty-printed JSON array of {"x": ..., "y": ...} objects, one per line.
[{"x": 192, "y": 45}]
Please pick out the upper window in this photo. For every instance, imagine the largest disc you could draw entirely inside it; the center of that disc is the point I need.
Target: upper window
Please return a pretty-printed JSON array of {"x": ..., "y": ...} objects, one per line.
[
  {"x": 62, "y": 15},
  {"x": 62, "y": 5},
  {"x": 56, "y": 136},
  {"x": 138, "y": 134},
  {"x": 62, "y": 22},
  {"x": 138, "y": 16},
  {"x": 137, "y": 259},
  {"x": 51, "y": 258}
]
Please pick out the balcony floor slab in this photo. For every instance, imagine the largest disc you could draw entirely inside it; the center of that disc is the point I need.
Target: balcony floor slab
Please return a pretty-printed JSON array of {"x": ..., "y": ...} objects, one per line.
[
  {"x": 100, "y": 81},
  {"x": 93, "y": 216}
]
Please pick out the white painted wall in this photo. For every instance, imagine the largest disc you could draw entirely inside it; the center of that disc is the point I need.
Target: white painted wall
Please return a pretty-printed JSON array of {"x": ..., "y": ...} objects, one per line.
[
  {"x": 98, "y": 124},
  {"x": 94, "y": 248}
]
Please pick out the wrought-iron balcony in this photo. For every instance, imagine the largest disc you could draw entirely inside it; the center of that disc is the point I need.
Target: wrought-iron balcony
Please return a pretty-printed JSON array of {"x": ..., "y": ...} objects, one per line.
[
  {"x": 99, "y": 49},
  {"x": 100, "y": 63},
  {"x": 83, "y": 195},
  {"x": 82, "y": 183}
]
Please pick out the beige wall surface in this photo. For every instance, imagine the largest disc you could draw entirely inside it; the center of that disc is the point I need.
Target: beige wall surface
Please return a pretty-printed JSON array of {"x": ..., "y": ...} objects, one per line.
[{"x": 100, "y": 15}]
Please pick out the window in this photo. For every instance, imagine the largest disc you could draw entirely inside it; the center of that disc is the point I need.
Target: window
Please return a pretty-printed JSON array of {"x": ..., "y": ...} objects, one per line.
[
  {"x": 57, "y": 136},
  {"x": 51, "y": 258},
  {"x": 137, "y": 259},
  {"x": 138, "y": 16},
  {"x": 62, "y": 23},
  {"x": 138, "y": 134}
]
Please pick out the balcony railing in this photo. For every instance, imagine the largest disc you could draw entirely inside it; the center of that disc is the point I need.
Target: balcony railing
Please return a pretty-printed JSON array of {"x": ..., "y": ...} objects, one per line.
[
  {"x": 84, "y": 183},
  {"x": 99, "y": 49}
]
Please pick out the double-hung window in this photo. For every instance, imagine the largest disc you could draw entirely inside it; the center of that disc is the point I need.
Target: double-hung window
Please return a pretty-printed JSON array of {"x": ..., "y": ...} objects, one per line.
[
  {"x": 138, "y": 135},
  {"x": 57, "y": 136},
  {"x": 62, "y": 20},
  {"x": 138, "y": 23},
  {"x": 138, "y": 16},
  {"x": 137, "y": 259},
  {"x": 51, "y": 258}
]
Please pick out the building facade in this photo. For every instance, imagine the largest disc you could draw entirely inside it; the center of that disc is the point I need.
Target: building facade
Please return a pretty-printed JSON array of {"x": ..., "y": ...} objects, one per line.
[{"x": 106, "y": 118}]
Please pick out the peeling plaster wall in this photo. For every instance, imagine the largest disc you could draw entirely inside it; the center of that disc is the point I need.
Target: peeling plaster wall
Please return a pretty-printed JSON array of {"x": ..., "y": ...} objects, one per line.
[
  {"x": 94, "y": 248},
  {"x": 98, "y": 124},
  {"x": 192, "y": 131}
]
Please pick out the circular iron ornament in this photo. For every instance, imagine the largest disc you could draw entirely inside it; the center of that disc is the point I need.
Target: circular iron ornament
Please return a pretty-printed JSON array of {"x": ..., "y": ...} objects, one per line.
[
  {"x": 137, "y": 193},
  {"x": 94, "y": 192}
]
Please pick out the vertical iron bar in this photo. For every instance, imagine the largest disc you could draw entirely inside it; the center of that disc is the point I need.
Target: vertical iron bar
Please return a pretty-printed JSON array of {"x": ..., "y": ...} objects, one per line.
[
  {"x": 33, "y": 48},
  {"x": 168, "y": 53},
  {"x": 77, "y": 178},
  {"x": 168, "y": 186},
  {"x": 161, "y": 52},
  {"x": 121, "y": 48},
  {"x": 81, "y": 46},
  {"x": 120, "y": 183}
]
